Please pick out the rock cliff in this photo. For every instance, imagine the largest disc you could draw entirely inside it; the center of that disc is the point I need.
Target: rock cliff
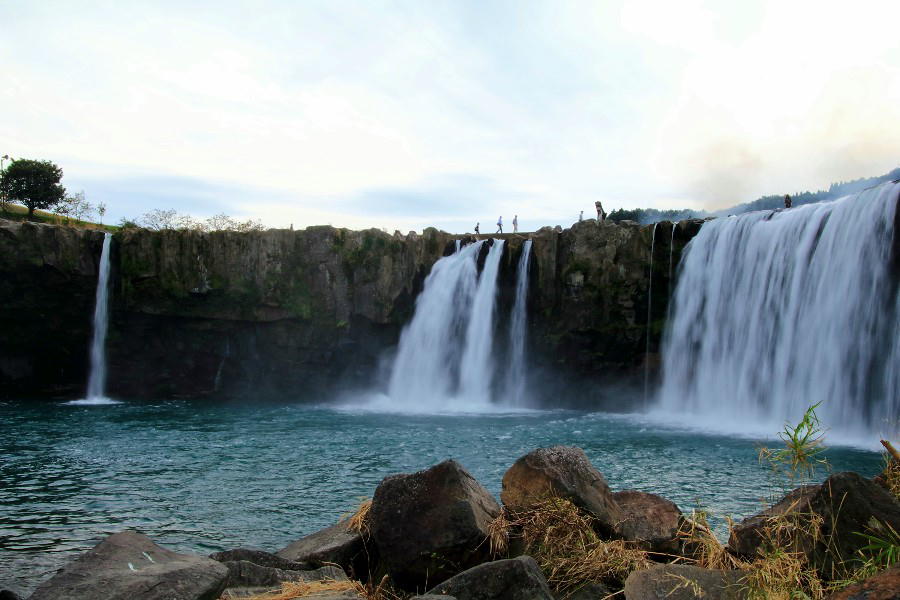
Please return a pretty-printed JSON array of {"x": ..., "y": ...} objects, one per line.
[{"x": 295, "y": 314}]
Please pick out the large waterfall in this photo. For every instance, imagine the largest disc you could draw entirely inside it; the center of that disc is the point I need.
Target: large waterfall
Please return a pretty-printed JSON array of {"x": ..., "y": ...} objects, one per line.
[
  {"x": 517, "y": 375},
  {"x": 97, "y": 376},
  {"x": 777, "y": 310},
  {"x": 446, "y": 359}
]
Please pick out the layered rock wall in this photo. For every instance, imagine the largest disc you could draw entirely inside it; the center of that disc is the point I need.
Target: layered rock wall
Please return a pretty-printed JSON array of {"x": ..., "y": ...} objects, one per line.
[{"x": 295, "y": 314}]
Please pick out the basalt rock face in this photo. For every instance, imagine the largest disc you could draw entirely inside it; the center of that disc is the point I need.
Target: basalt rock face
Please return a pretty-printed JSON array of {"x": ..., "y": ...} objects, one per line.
[
  {"x": 48, "y": 279},
  {"x": 291, "y": 313}
]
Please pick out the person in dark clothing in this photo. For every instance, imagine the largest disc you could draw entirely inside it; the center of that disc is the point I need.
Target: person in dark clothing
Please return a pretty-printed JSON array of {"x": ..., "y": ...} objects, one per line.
[
  {"x": 601, "y": 216},
  {"x": 787, "y": 201},
  {"x": 476, "y": 228}
]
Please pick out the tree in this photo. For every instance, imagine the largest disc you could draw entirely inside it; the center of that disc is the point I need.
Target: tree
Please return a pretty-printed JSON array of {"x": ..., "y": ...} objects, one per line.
[
  {"x": 101, "y": 210},
  {"x": 34, "y": 183}
]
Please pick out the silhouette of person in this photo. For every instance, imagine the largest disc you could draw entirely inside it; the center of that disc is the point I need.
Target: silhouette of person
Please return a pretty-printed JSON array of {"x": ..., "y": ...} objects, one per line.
[
  {"x": 476, "y": 228},
  {"x": 787, "y": 201},
  {"x": 601, "y": 216},
  {"x": 516, "y": 224},
  {"x": 580, "y": 216},
  {"x": 500, "y": 224}
]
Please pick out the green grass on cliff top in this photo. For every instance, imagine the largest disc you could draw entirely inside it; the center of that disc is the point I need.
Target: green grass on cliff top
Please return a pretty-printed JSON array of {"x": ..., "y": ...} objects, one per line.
[{"x": 15, "y": 212}]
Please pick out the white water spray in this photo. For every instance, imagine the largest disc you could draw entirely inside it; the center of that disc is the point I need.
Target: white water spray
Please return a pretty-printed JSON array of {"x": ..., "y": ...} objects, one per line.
[
  {"x": 97, "y": 377},
  {"x": 516, "y": 381},
  {"x": 775, "y": 311}
]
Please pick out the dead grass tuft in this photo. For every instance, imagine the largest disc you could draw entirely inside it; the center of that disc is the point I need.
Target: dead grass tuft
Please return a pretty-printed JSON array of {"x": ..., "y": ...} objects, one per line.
[
  {"x": 359, "y": 521},
  {"x": 702, "y": 546},
  {"x": 563, "y": 542},
  {"x": 306, "y": 589}
]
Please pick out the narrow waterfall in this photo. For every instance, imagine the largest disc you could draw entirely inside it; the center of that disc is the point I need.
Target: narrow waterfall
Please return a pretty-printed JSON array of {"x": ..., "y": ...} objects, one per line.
[
  {"x": 445, "y": 358},
  {"x": 777, "y": 310},
  {"x": 516, "y": 374},
  {"x": 97, "y": 378},
  {"x": 649, "y": 313}
]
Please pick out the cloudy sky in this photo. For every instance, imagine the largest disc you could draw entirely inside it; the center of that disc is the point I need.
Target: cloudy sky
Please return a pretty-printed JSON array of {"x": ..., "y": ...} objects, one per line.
[{"x": 401, "y": 115}]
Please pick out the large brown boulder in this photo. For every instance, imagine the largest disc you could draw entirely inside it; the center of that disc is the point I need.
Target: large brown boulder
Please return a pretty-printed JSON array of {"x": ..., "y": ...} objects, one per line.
[
  {"x": 338, "y": 544},
  {"x": 747, "y": 535},
  {"x": 845, "y": 505},
  {"x": 683, "y": 582},
  {"x": 566, "y": 472},
  {"x": 512, "y": 579},
  {"x": 129, "y": 566},
  {"x": 431, "y": 525},
  {"x": 883, "y": 586},
  {"x": 650, "y": 520}
]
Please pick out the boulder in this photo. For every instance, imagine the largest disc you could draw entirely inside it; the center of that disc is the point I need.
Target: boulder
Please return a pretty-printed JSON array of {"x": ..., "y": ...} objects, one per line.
[
  {"x": 847, "y": 504},
  {"x": 883, "y": 586},
  {"x": 683, "y": 582},
  {"x": 746, "y": 536},
  {"x": 566, "y": 472},
  {"x": 242, "y": 574},
  {"x": 261, "y": 558},
  {"x": 9, "y": 595},
  {"x": 512, "y": 579},
  {"x": 431, "y": 525},
  {"x": 650, "y": 520},
  {"x": 589, "y": 591},
  {"x": 129, "y": 566},
  {"x": 337, "y": 545}
]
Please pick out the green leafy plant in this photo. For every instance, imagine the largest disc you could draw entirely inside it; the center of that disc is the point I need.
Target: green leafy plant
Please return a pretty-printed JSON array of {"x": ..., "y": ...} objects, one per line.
[{"x": 804, "y": 445}]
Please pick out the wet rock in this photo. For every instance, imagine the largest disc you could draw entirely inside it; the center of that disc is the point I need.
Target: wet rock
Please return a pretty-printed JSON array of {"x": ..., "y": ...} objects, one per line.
[
  {"x": 431, "y": 525},
  {"x": 883, "y": 586},
  {"x": 512, "y": 579},
  {"x": 9, "y": 595},
  {"x": 589, "y": 591},
  {"x": 336, "y": 545},
  {"x": 566, "y": 472},
  {"x": 746, "y": 536},
  {"x": 129, "y": 566},
  {"x": 683, "y": 582},
  {"x": 650, "y": 520},
  {"x": 261, "y": 558}
]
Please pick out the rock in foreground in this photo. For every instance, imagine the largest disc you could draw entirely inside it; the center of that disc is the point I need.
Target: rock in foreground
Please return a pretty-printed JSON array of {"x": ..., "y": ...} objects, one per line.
[
  {"x": 129, "y": 566},
  {"x": 650, "y": 520},
  {"x": 566, "y": 472},
  {"x": 337, "y": 545},
  {"x": 683, "y": 582},
  {"x": 513, "y": 579},
  {"x": 431, "y": 525}
]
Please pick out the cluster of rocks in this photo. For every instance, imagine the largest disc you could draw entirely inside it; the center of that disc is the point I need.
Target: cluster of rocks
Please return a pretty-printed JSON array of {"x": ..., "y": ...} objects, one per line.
[{"x": 428, "y": 533}]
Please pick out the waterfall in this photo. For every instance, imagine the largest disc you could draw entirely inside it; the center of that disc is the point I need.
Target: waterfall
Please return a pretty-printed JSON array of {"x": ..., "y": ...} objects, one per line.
[
  {"x": 516, "y": 374},
  {"x": 649, "y": 312},
  {"x": 777, "y": 310},
  {"x": 97, "y": 377},
  {"x": 445, "y": 357},
  {"x": 477, "y": 368}
]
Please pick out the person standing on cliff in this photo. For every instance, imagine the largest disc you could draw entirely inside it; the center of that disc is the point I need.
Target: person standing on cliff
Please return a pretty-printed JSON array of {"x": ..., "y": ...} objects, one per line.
[
  {"x": 601, "y": 216},
  {"x": 476, "y": 228},
  {"x": 580, "y": 216},
  {"x": 787, "y": 201},
  {"x": 515, "y": 223},
  {"x": 500, "y": 224}
]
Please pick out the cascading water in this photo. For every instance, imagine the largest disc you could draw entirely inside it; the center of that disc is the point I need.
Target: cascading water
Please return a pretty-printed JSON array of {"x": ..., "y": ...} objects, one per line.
[
  {"x": 776, "y": 311},
  {"x": 445, "y": 360},
  {"x": 516, "y": 374},
  {"x": 649, "y": 312},
  {"x": 97, "y": 377}
]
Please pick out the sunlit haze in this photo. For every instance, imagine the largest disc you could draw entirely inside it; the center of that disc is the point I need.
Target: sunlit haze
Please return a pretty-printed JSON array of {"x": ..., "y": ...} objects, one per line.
[{"x": 402, "y": 115}]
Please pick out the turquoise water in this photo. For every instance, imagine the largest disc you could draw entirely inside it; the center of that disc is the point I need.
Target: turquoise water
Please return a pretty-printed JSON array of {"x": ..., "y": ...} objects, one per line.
[{"x": 205, "y": 477}]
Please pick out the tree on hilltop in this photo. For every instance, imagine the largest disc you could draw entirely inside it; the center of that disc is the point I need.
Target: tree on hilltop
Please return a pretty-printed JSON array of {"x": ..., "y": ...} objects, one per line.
[{"x": 34, "y": 183}]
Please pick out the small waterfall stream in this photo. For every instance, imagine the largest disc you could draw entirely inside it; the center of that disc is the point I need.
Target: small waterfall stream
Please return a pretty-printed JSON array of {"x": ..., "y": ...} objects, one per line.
[
  {"x": 516, "y": 374},
  {"x": 777, "y": 310},
  {"x": 97, "y": 378},
  {"x": 649, "y": 314}
]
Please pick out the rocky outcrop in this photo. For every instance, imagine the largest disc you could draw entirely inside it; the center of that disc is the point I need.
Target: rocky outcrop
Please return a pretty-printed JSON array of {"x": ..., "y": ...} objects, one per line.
[
  {"x": 565, "y": 472},
  {"x": 337, "y": 545},
  {"x": 747, "y": 535},
  {"x": 259, "y": 557},
  {"x": 883, "y": 586},
  {"x": 683, "y": 582},
  {"x": 431, "y": 525},
  {"x": 512, "y": 579},
  {"x": 279, "y": 313},
  {"x": 650, "y": 520},
  {"x": 129, "y": 566}
]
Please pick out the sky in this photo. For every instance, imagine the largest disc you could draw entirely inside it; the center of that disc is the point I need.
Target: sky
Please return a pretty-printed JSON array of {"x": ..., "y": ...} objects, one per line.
[{"x": 406, "y": 114}]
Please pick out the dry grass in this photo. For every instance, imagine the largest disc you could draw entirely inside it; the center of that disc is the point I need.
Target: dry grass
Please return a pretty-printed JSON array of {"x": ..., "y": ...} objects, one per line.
[
  {"x": 701, "y": 545},
  {"x": 563, "y": 542},
  {"x": 891, "y": 476},
  {"x": 359, "y": 521},
  {"x": 307, "y": 589}
]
